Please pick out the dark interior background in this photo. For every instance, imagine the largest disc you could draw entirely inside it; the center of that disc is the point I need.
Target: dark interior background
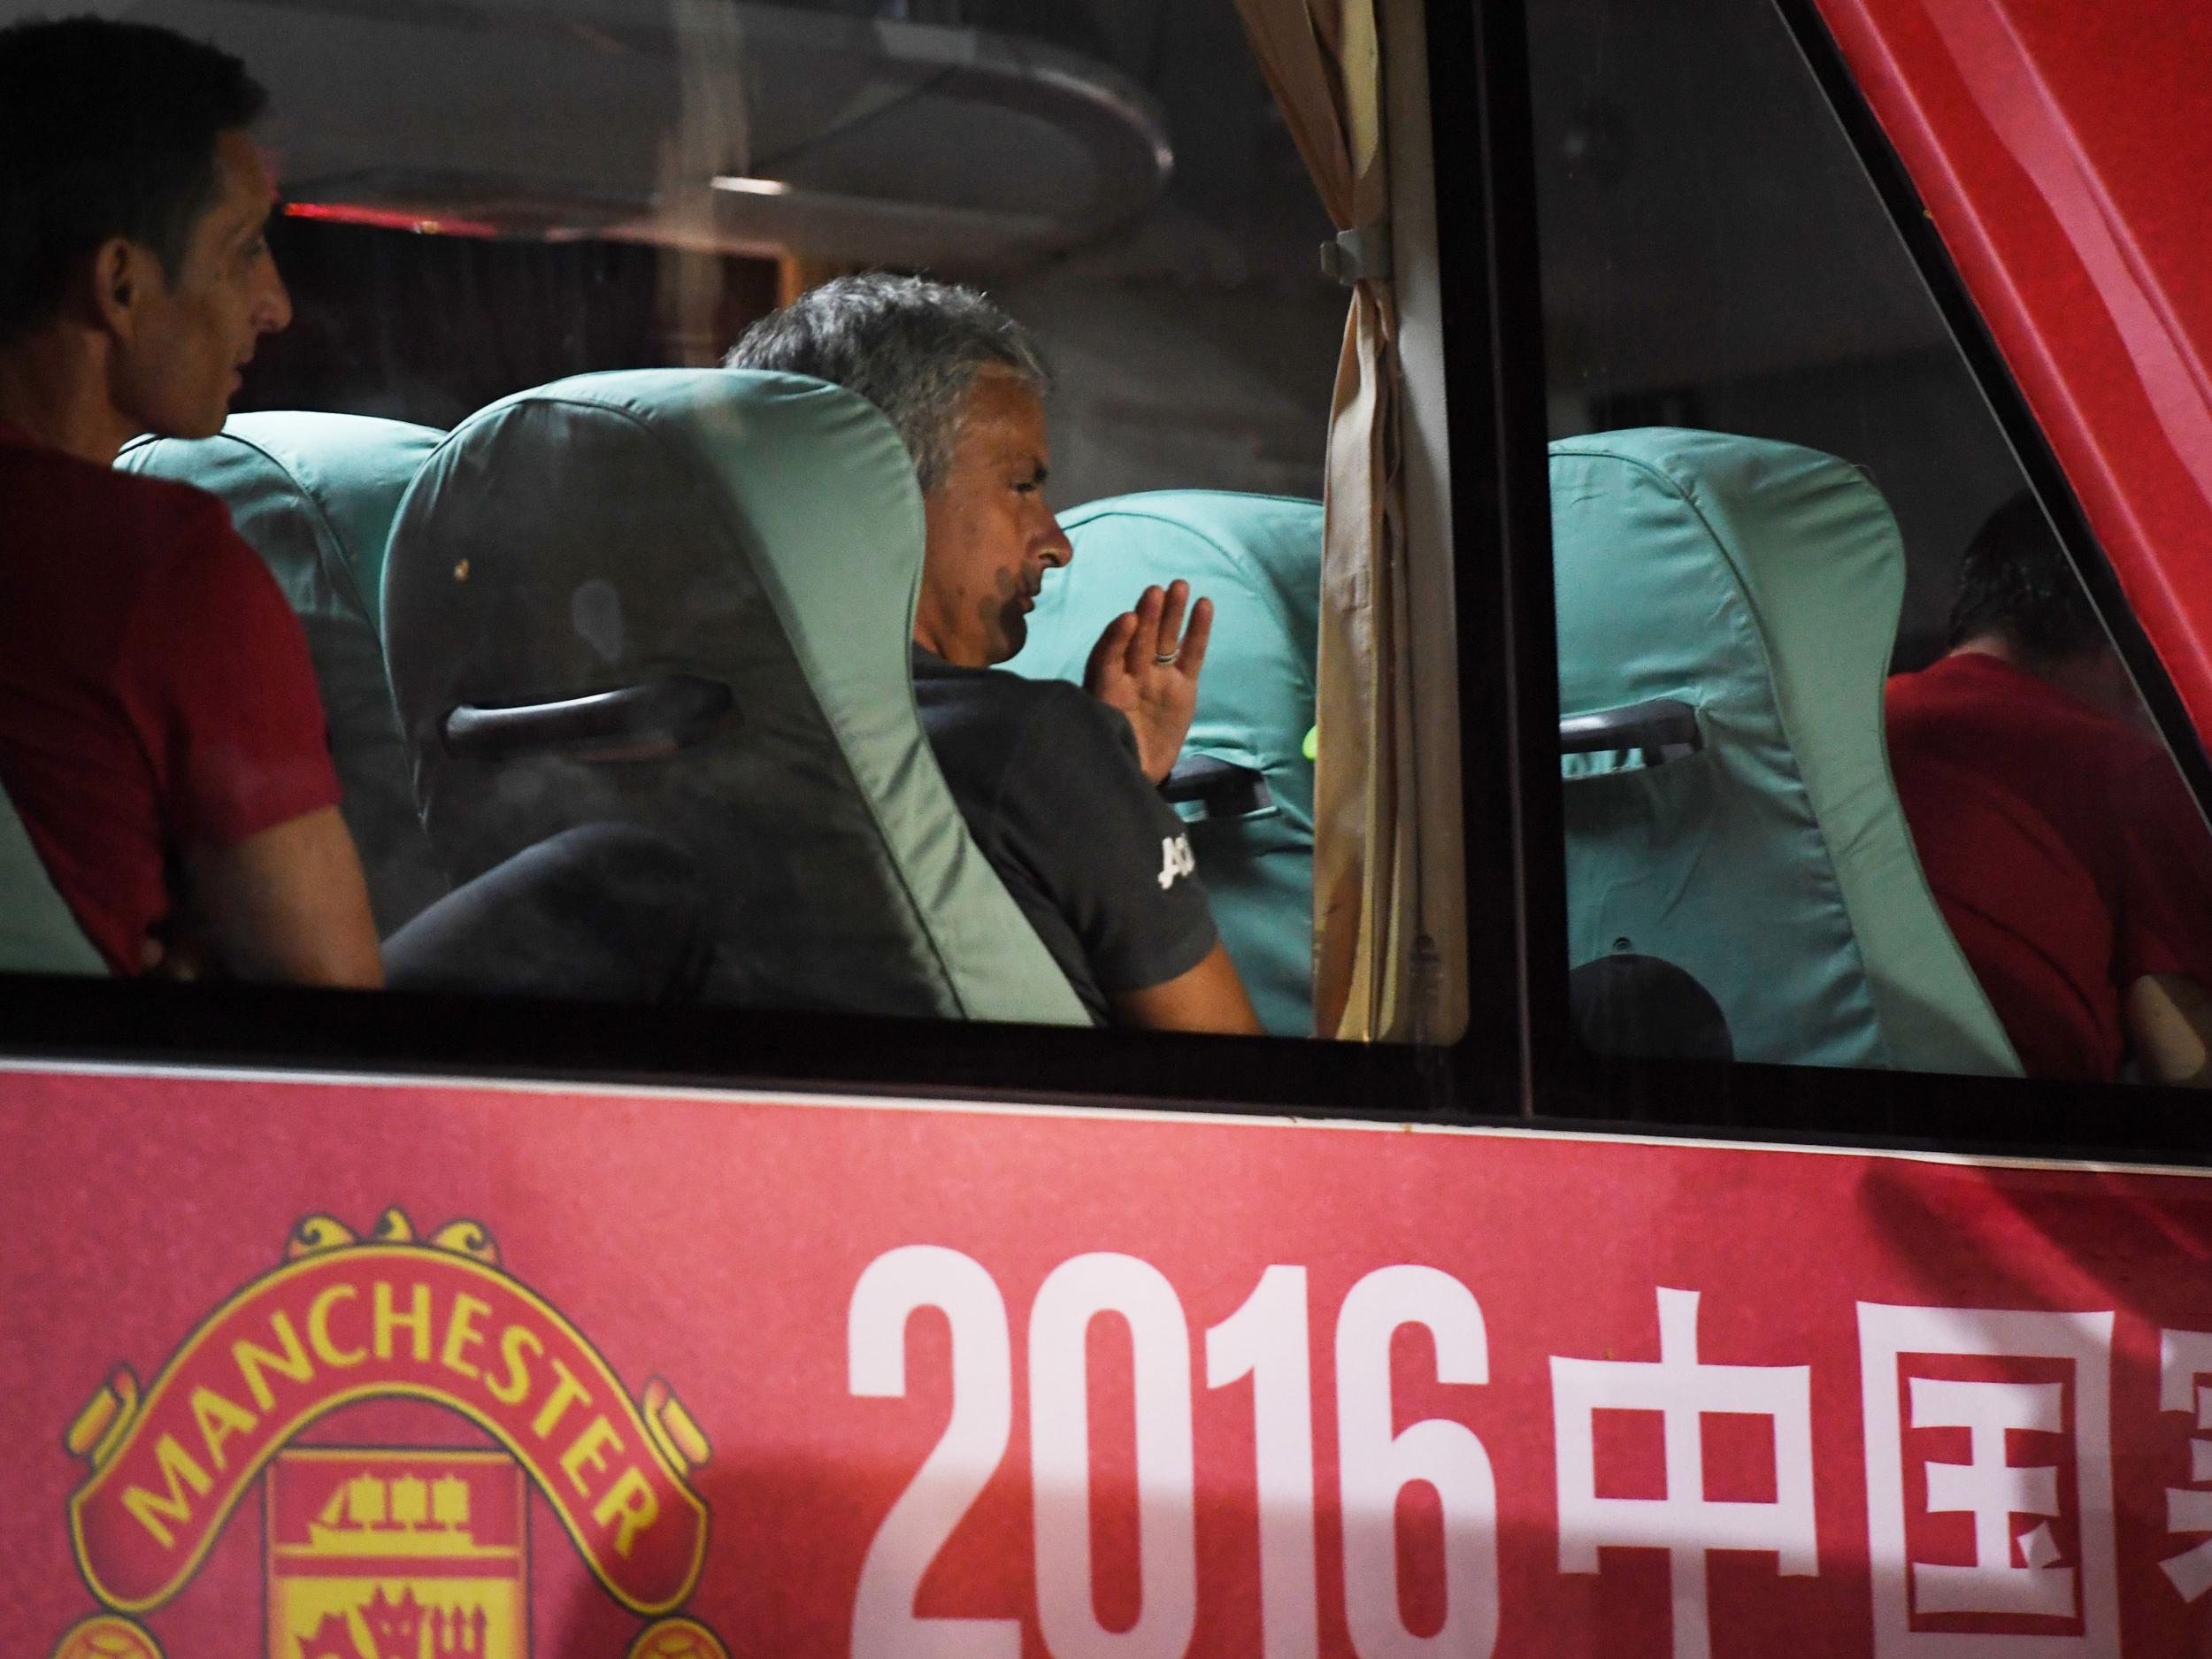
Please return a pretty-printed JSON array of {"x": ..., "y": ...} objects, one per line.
[
  {"x": 1714, "y": 256},
  {"x": 1196, "y": 339}
]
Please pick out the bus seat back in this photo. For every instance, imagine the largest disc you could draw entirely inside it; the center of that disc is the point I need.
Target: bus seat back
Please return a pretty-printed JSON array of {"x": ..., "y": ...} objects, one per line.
[
  {"x": 315, "y": 495},
  {"x": 1759, "y": 584},
  {"x": 1258, "y": 558},
  {"x": 39, "y": 934},
  {"x": 684, "y": 599}
]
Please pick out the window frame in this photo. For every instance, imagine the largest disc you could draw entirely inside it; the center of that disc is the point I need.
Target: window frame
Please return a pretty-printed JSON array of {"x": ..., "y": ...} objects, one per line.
[
  {"x": 1516, "y": 1061},
  {"x": 1481, "y": 1077},
  {"x": 1806, "y": 1104}
]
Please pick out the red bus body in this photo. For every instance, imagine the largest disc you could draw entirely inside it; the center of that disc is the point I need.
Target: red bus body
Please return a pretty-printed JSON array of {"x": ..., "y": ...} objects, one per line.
[{"x": 333, "y": 1367}]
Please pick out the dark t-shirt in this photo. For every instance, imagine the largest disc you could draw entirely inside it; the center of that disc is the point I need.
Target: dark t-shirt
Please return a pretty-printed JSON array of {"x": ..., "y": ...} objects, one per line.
[
  {"x": 1049, "y": 781},
  {"x": 156, "y": 692},
  {"x": 2062, "y": 848}
]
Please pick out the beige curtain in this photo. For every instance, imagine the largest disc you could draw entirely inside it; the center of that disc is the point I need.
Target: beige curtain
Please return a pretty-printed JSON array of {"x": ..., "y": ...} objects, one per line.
[{"x": 1323, "y": 59}]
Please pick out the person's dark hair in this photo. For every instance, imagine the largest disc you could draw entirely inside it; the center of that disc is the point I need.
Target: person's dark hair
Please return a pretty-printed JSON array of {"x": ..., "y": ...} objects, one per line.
[
  {"x": 2016, "y": 581},
  {"x": 107, "y": 129},
  {"x": 911, "y": 347},
  {"x": 1646, "y": 1008}
]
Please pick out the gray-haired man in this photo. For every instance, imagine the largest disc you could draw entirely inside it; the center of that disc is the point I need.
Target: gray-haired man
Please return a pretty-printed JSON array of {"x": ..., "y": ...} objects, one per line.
[{"x": 1057, "y": 786}]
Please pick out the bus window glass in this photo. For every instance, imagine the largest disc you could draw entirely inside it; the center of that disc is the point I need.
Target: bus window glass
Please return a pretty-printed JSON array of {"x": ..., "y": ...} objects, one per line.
[
  {"x": 619, "y": 677},
  {"x": 1851, "y": 775}
]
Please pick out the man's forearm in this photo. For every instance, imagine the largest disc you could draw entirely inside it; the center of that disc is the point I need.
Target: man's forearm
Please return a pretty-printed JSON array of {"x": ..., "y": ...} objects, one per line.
[
  {"x": 2169, "y": 1027},
  {"x": 289, "y": 905}
]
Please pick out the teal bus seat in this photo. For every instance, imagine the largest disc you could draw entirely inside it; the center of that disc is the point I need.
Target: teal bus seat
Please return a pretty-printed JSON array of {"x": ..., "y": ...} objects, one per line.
[
  {"x": 1245, "y": 782},
  {"x": 315, "y": 495},
  {"x": 39, "y": 934},
  {"x": 684, "y": 599},
  {"x": 1755, "y": 587}
]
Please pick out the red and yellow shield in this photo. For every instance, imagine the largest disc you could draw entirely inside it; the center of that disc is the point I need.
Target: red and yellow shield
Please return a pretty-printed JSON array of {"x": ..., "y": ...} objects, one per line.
[
  {"x": 396, "y": 1554},
  {"x": 387, "y": 1552}
]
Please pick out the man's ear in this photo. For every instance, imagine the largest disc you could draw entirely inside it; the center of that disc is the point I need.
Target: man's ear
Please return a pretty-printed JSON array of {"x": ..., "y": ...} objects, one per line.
[{"x": 123, "y": 275}]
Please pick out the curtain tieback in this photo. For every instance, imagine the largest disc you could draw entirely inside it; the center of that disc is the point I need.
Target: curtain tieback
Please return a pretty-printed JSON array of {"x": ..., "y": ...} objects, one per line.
[{"x": 1358, "y": 256}]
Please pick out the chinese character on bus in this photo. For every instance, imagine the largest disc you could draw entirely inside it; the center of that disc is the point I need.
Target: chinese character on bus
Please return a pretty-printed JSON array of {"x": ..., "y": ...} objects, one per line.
[{"x": 1989, "y": 1479}]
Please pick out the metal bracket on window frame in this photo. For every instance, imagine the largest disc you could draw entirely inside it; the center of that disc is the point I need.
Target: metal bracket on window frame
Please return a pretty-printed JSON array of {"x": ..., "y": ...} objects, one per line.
[{"x": 1358, "y": 256}]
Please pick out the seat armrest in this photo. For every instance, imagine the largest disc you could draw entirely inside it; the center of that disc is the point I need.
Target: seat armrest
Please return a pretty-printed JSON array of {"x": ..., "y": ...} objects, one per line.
[
  {"x": 638, "y": 722},
  {"x": 1665, "y": 729},
  {"x": 1221, "y": 788}
]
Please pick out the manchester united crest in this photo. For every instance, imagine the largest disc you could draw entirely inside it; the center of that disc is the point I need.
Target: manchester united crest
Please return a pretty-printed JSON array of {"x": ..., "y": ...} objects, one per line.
[{"x": 387, "y": 1552}]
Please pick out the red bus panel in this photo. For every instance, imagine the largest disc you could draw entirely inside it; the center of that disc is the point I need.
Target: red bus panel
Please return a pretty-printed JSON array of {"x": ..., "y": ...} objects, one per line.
[{"x": 339, "y": 1369}]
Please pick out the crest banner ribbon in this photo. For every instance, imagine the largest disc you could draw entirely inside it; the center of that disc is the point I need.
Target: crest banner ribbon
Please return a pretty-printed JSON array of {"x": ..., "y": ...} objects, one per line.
[{"x": 360, "y": 1321}]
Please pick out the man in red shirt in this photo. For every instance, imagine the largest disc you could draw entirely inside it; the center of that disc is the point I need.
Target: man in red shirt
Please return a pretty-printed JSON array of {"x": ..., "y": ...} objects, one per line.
[
  {"x": 2068, "y": 857},
  {"x": 160, "y": 734}
]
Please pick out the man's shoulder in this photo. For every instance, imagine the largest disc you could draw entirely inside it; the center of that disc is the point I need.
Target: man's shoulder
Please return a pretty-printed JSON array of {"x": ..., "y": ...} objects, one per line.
[
  {"x": 1961, "y": 680},
  {"x": 73, "y": 479},
  {"x": 1973, "y": 692},
  {"x": 995, "y": 732},
  {"x": 1969, "y": 719},
  {"x": 1009, "y": 704},
  {"x": 66, "y": 494}
]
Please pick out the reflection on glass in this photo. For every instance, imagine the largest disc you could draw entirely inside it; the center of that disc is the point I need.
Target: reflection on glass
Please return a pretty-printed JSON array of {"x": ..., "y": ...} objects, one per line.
[
  {"x": 480, "y": 200},
  {"x": 1772, "y": 479}
]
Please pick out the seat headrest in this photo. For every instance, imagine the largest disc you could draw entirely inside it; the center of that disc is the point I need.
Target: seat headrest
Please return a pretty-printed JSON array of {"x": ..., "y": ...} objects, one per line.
[
  {"x": 1646, "y": 1008},
  {"x": 315, "y": 495},
  {"x": 39, "y": 934},
  {"x": 1258, "y": 558},
  {"x": 653, "y": 513},
  {"x": 1760, "y": 583},
  {"x": 757, "y": 532}
]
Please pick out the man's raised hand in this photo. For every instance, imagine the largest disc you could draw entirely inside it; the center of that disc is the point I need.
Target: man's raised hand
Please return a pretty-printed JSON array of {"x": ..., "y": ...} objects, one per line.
[{"x": 1146, "y": 663}]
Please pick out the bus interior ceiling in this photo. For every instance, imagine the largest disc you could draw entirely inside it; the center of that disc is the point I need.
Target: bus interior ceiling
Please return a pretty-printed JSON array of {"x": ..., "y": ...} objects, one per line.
[
  {"x": 1117, "y": 172},
  {"x": 488, "y": 195},
  {"x": 1715, "y": 256}
]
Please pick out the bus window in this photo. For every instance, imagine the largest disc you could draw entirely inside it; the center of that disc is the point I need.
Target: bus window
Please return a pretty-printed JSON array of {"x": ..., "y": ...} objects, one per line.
[
  {"x": 1852, "y": 773},
  {"x": 561, "y": 569}
]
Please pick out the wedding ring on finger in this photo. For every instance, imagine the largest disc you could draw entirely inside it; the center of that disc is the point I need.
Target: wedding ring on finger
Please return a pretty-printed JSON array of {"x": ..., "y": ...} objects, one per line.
[{"x": 1164, "y": 657}]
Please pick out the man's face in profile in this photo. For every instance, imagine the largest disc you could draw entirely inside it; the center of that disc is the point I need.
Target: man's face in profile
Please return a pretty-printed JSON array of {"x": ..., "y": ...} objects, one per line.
[
  {"x": 177, "y": 371},
  {"x": 991, "y": 535}
]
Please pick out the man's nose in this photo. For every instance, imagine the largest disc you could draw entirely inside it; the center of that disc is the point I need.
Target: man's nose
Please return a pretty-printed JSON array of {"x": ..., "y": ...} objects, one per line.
[
  {"x": 1055, "y": 548},
  {"x": 273, "y": 315}
]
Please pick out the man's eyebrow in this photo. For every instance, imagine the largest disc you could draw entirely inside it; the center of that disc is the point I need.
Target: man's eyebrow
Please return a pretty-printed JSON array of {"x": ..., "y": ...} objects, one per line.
[
  {"x": 254, "y": 225},
  {"x": 1014, "y": 458}
]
